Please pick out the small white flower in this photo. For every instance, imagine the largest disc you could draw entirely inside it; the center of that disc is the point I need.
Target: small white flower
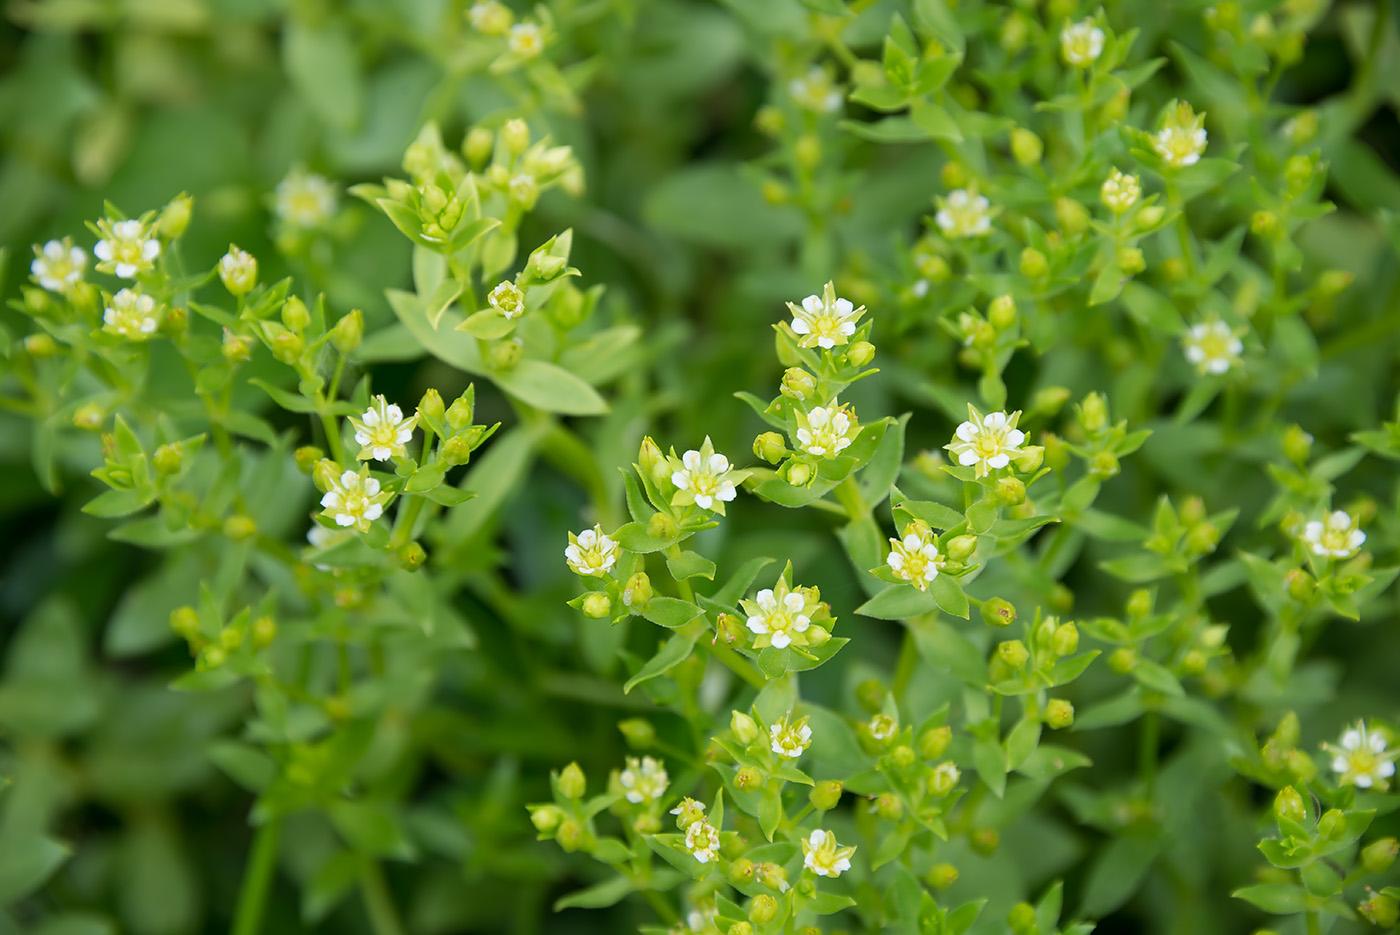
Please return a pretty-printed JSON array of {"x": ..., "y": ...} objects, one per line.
[
  {"x": 822, "y": 856},
  {"x": 354, "y": 500},
  {"x": 1212, "y": 347},
  {"x": 1120, "y": 192},
  {"x": 827, "y": 432},
  {"x": 507, "y": 299},
  {"x": 702, "y": 840},
  {"x": 988, "y": 442},
  {"x": 964, "y": 214},
  {"x": 132, "y": 315},
  {"x": 58, "y": 265},
  {"x": 824, "y": 321},
  {"x": 591, "y": 553},
  {"x": 1081, "y": 43},
  {"x": 126, "y": 249},
  {"x": 816, "y": 91},
  {"x": 523, "y": 189},
  {"x": 1182, "y": 139},
  {"x": 382, "y": 431},
  {"x": 238, "y": 270},
  {"x": 790, "y": 740},
  {"x": 305, "y": 199},
  {"x": 1361, "y": 758},
  {"x": 644, "y": 780},
  {"x": 1334, "y": 536},
  {"x": 883, "y": 726},
  {"x": 915, "y": 558},
  {"x": 526, "y": 40},
  {"x": 703, "y": 478},
  {"x": 490, "y": 17},
  {"x": 776, "y": 617}
]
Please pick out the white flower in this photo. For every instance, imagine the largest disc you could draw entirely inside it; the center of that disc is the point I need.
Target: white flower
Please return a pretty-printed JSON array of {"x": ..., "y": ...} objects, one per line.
[
  {"x": 915, "y": 558},
  {"x": 822, "y": 856},
  {"x": 131, "y": 315},
  {"x": 58, "y": 266},
  {"x": 382, "y": 431},
  {"x": 776, "y": 617},
  {"x": 790, "y": 740},
  {"x": 1081, "y": 43},
  {"x": 305, "y": 199},
  {"x": 1182, "y": 139},
  {"x": 643, "y": 781},
  {"x": 591, "y": 553},
  {"x": 238, "y": 270},
  {"x": 490, "y": 17},
  {"x": 825, "y": 320},
  {"x": 526, "y": 40},
  {"x": 964, "y": 214},
  {"x": 126, "y": 248},
  {"x": 354, "y": 500},
  {"x": 1334, "y": 536},
  {"x": 1120, "y": 192},
  {"x": 1212, "y": 347},
  {"x": 703, "y": 478},
  {"x": 1362, "y": 759},
  {"x": 883, "y": 726},
  {"x": 988, "y": 442},
  {"x": 702, "y": 840},
  {"x": 507, "y": 299},
  {"x": 816, "y": 91},
  {"x": 523, "y": 189},
  {"x": 827, "y": 432}
]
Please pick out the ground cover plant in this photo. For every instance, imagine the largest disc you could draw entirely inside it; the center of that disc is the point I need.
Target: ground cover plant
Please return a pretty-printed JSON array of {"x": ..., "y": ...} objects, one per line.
[{"x": 755, "y": 467}]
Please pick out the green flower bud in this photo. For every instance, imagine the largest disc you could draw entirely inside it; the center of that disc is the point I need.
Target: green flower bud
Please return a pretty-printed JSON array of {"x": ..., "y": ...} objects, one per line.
[
  {"x": 1332, "y": 826},
  {"x": 1103, "y": 464},
  {"x": 798, "y": 384},
  {"x": 40, "y": 345},
  {"x": 212, "y": 657},
  {"x": 943, "y": 778},
  {"x": 174, "y": 218},
  {"x": 661, "y": 526},
  {"x": 264, "y": 632},
  {"x": 902, "y": 757},
  {"x": 1301, "y": 766},
  {"x": 746, "y": 777},
  {"x": 637, "y": 593},
  {"x": 998, "y": 612},
  {"x": 826, "y": 794},
  {"x": 744, "y": 727},
  {"x": 504, "y": 355},
  {"x": 294, "y": 314},
  {"x": 456, "y": 450},
  {"x": 1010, "y": 491},
  {"x": 860, "y": 353},
  {"x": 239, "y": 527},
  {"x": 1264, "y": 224},
  {"x": 516, "y": 136},
  {"x": 808, "y": 151},
  {"x": 984, "y": 840},
  {"x": 934, "y": 268},
  {"x": 1073, "y": 216},
  {"x": 770, "y": 447},
  {"x": 962, "y": 548},
  {"x": 571, "y": 835},
  {"x": 1378, "y": 856},
  {"x": 477, "y": 147},
  {"x": 185, "y": 622},
  {"x": 1059, "y": 713},
  {"x": 1013, "y": 653},
  {"x": 167, "y": 459},
  {"x": 954, "y": 175},
  {"x": 1149, "y": 217},
  {"x": 236, "y": 348},
  {"x": 1033, "y": 264},
  {"x": 1061, "y": 598},
  {"x": 230, "y": 638},
  {"x": 763, "y": 909},
  {"x": 1026, "y": 146},
  {"x": 287, "y": 347},
  {"x": 1130, "y": 260},
  {"x": 1021, "y": 918},
  {"x": 349, "y": 332},
  {"x": 1381, "y": 910},
  {"x": 546, "y": 818},
  {"x": 1288, "y": 805},
  {"x": 1001, "y": 314},
  {"x": 933, "y": 743},
  {"x": 431, "y": 409},
  {"x": 775, "y": 192},
  {"x": 798, "y": 474},
  {"x": 652, "y": 462},
  {"x": 870, "y": 695},
  {"x": 729, "y": 629},
  {"x": 597, "y": 605},
  {"x": 572, "y": 783},
  {"x": 1301, "y": 585},
  {"x": 411, "y": 556},
  {"x": 941, "y": 876},
  {"x": 889, "y": 807}
]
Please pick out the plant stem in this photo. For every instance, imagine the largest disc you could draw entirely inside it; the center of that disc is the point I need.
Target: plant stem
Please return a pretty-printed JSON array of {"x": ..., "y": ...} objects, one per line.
[
  {"x": 257, "y": 879},
  {"x": 1147, "y": 749},
  {"x": 383, "y": 918},
  {"x": 848, "y": 495}
]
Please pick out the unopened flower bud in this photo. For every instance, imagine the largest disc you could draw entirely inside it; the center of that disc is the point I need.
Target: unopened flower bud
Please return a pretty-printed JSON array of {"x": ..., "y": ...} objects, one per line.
[
  {"x": 941, "y": 876},
  {"x": 236, "y": 348},
  {"x": 546, "y": 818},
  {"x": 637, "y": 593},
  {"x": 860, "y": 353},
  {"x": 516, "y": 136},
  {"x": 430, "y": 408},
  {"x": 1034, "y": 265},
  {"x": 504, "y": 355},
  {"x": 1010, "y": 491},
  {"x": 638, "y": 732},
  {"x": 571, "y": 835},
  {"x": 943, "y": 778},
  {"x": 1026, "y": 146},
  {"x": 175, "y": 217},
  {"x": 798, "y": 384},
  {"x": 1381, "y": 910},
  {"x": 962, "y": 548},
  {"x": 998, "y": 612},
  {"x": 729, "y": 629},
  {"x": 1001, "y": 313},
  {"x": 770, "y": 447},
  {"x": 984, "y": 841},
  {"x": 287, "y": 347},
  {"x": 349, "y": 332},
  {"x": 808, "y": 151},
  {"x": 572, "y": 783},
  {"x": 1073, "y": 216},
  {"x": 184, "y": 621},
  {"x": 294, "y": 314},
  {"x": 1378, "y": 856},
  {"x": 1332, "y": 826},
  {"x": 1288, "y": 805},
  {"x": 954, "y": 175},
  {"x": 870, "y": 695},
  {"x": 40, "y": 345},
  {"x": 762, "y": 910},
  {"x": 597, "y": 605},
  {"x": 1065, "y": 640},
  {"x": 933, "y": 743},
  {"x": 1301, "y": 585},
  {"x": 239, "y": 527},
  {"x": 888, "y": 807},
  {"x": 213, "y": 656},
  {"x": 1021, "y": 919},
  {"x": 477, "y": 147},
  {"x": 744, "y": 728},
  {"x": 167, "y": 459},
  {"x": 411, "y": 556},
  {"x": 1123, "y": 660},
  {"x": 661, "y": 526},
  {"x": 230, "y": 638},
  {"x": 1335, "y": 281},
  {"x": 1130, "y": 260},
  {"x": 826, "y": 794},
  {"x": 741, "y": 872},
  {"x": 798, "y": 473},
  {"x": 1013, "y": 653},
  {"x": 1059, "y": 713},
  {"x": 264, "y": 631}
]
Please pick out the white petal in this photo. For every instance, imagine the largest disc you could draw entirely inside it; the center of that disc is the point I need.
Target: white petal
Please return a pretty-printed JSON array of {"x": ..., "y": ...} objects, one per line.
[
  {"x": 374, "y": 511},
  {"x": 999, "y": 460},
  {"x": 1015, "y": 437},
  {"x": 719, "y": 464},
  {"x": 766, "y": 600},
  {"x": 1351, "y": 739},
  {"x": 681, "y": 480},
  {"x": 371, "y": 486},
  {"x": 967, "y": 431},
  {"x": 780, "y": 640},
  {"x": 691, "y": 460},
  {"x": 812, "y": 305},
  {"x": 994, "y": 420},
  {"x": 757, "y": 625},
  {"x": 793, "y": 602},
  {"x": 704, "y": 501},
  {"x": 800, "y": 326},
  {"x": 726, "y": 491},
  {"x": 968, "y": 458}
]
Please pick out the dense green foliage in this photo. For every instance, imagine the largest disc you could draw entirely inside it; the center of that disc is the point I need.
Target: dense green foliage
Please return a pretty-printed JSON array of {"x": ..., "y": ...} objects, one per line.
[{"x": 1046, "y": 584}]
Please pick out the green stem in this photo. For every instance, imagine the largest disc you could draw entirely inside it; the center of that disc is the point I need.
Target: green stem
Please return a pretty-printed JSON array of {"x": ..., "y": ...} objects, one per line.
[
  {"x": 849, "y": 496},
  {"x": 257, "y": 879},
  {"x": 384, "y": 919},
  {"x": 1147, "y": 749},
  {"x": 404, "y": 522},
  {"x": 1314, "y": 928}
]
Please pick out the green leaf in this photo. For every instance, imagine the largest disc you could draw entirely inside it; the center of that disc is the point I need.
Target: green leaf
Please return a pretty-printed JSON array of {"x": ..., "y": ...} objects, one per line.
[
  {"x": 934, "y": 19},
  {"x": 551, "y": 388},
  {"x": 673, "y": 652},
  {"x": 322, "y": 64},
  {"x": 898, "y": 602},
  {"x": 1280, "y": 899},
  {"x": 1021, "y": 742},
  {"x": 113, "y": 503},
  {"x": 26, "y": 861},
  {"x": 444, "y": 295},
  {"x": 888, "y": 130},
  {"x": 670, "y": 612},
  {"x": 292, "y": 402},
  {"x": 990, "y": 760},
  {"x": 690, "y": 565},
  {"x": 487, "y": 324},
  {"x": 248, "y": 766},
  {"x": 1115, "y": 874},
  {"x": 949, "y": 596},
  {"x": 597, "y": 896}
]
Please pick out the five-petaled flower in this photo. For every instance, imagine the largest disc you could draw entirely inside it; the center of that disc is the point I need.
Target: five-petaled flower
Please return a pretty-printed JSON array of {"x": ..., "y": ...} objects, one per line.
[
  {"x": 816, "y": 91},
  {"x": 964, "y": 214},
  {"x": 1212, "y": 347},
  {"x": 526, "y": 40},
  {"x": 1361, "y": 758},
  {"x": 825, "y": 321},
  {"x": 382, "y": 431},
  {"x": 643, "y": 780},
  {"x": 127, "y": 248},
  {"x": 790, "y": 739},
  {"x": 823, "y": 856},
  {"x": 1081, "y": 43},
  {"x": 1120, "y": 192},
  {"x": 58, "y": 265},
  {"x": 305, "y": 199},
  {"x": 132, "y": 315},
  {"x": 702, "y": 840},
  {"x": 507, "y": 299},
  {"x": 1333, "y": 536},
  {"x": 826, "y": 431},
  {"x": 703, "y": 478},
  {"x": 591, "y": 553},
  {"x": 354, "y": 500},
  {"x": 987, "y": 442},
  {"x": 915, "y": 558},
  {"x": 782, "y": 616},
  {"x": 1182, "y": 139}
]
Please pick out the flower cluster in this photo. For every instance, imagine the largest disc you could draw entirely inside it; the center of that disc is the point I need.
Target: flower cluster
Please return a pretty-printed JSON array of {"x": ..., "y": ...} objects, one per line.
[
  {"x": 964, "y": 213},
  {"x": 58, "y": 265},
  {"x": 644, "y": 780},
  {"x": 1081, "y": 43}
]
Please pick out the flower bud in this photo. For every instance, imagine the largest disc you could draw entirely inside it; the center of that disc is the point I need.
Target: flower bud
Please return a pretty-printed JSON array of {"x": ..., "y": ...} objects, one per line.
[
  {"x": 933, "y": 743},
  {"x": 1130, "y": 260},
  {"x": 774, "y": 876},
  {"x": 294, "y": 314},
  {"x": 349, "y": 332},
  {"x": 1378, "y": 856},
  {"x": 1149, "y": 217},
  {"x": 962, "y": 548},
  {"x": 40, "y": 345},
  {"x": 1123, "y": 660},
  {"x": 546, "y": 818},
  {"x": 902, "y": 757},
  {"x": 1021, "y": 918},
  {"x": 1002, "y": 312},
  {"x": 729, "y": 629},
  {"x": 1301, "y": 766},
  {"x": 1332, "y": 826},
  {"x": 1065, "y": 640},
  {"x": 516, "y": 136},
  {"x": 212, "y": 657},
  {"x": 933, "y": 267},
  {"x": 572, "y": 783},
  {"x": 184, "y": 621},
  {"x": 770, "y": 447},
  {"x": 431, "y": 410},
  {"x": 1301, "y": 586},
  {"x": 637, "y": 593},
  {"x": 1013, "y": 653},
  {"x": 941, "y": 876},
  {"x": 798, "y": 474},
  {"x": 230, "y": 638},
  {"x": 954, "y": 175},
  {"x": 167, "y": 459},
  {"x": 763, "y": 909},
  {"x": 638, "y": 732},
  {"x": 264, "y": 631},
  {"x": 1010, "y": 491},
  {"x": 175, "y": 217},
  {"x": 239, "y": 527},
  {"x": 746, "y": 777},
  {"x": 741, "y": 872},
  {"x": 571, "y": 835},
  {"x": 1288, "y": 805},
  {"x": 1381, "y": 910},
  {"x": 504, "y": 355},
  {"x": 744, "y": 728},
  {"x": 984, "y": 841},
  {"x": 998, "y": 612},
  {"x": 1103, "y": 464},
  {"x": 860, "y": 354},
  {"x": 889, "y": 807},
  {"x": 236, "y": 348},
  {"x": 1033, "y": 264},
  {"x": 1059, "y": 713},
  {"x": 798, "y": 384},
  {"x": 456, "y": 450},
  {"x": 1073, "y": 216},
  {"x": 943, "y": 778},
  {"x": 411, "y": 556},
  {"x": 1026, "y": 146},
  {"x": 826, "y": 794},
  {"x": 661, "y": 526},
  {"x": 287, "y": 347},
  {"x": 870, "y": 695},
  {"x": 477, "y": 147},
  {"x": 597, "y": 605}
]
